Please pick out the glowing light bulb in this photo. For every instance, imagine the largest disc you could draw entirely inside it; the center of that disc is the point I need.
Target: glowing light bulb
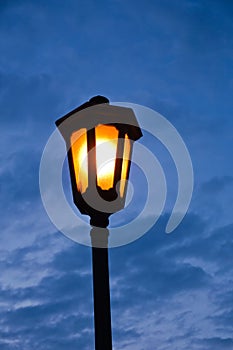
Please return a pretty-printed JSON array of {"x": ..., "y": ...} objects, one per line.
[{"x": 105, "y": 162}]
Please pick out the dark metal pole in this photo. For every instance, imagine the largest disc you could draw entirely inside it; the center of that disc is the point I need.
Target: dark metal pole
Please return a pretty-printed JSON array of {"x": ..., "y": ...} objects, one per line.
[{"x": 101, "y": 291}]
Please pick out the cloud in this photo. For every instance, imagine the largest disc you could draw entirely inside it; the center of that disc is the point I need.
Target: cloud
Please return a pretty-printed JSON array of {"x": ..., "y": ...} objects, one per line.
[
  {"x": 173, "y": 283},
  {"x": 212, "y": 200},
  {"x": 216, "y": 343},
  {"x": 160, "y": 285},
  {"x": 58, "y": 302},
  {"x": 217, "y": 184}
]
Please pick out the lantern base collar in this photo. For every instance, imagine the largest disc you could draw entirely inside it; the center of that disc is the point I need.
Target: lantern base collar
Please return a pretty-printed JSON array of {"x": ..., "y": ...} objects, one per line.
[{"x": 99, "y": 220}]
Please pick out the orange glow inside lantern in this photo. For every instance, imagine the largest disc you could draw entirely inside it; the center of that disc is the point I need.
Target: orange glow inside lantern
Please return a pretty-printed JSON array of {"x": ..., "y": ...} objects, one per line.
[
  {"x": 109, "y": 155},
  {"x": 106, "y": 149},
  {"x": 79, "y": 156}
]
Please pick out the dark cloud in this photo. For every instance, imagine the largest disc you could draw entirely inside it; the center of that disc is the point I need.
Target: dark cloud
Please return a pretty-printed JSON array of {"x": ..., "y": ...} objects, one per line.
[
  {"x": 216, "y": 343},
  {"x": 217, "y": 184}
]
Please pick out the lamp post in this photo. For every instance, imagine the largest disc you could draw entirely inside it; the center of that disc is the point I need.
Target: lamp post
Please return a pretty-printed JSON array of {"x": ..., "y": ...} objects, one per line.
[{"x": 99, "y": 139}]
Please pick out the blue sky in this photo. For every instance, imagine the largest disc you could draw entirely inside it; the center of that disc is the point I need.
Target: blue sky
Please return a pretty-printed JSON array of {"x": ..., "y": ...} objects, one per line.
[{"x": 168, "y": 291}]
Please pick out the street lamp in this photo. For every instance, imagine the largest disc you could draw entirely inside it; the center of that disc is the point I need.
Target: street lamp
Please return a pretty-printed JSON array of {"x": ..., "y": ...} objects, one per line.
[{"x": 99, "y": 139}]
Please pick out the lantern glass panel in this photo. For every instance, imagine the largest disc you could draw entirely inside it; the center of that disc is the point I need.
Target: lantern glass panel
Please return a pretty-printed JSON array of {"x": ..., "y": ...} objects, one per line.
[
  {"x": 106, "y": 148},
  {"x": 78, "y": 142},
  {"x": 125, "y": 165}
]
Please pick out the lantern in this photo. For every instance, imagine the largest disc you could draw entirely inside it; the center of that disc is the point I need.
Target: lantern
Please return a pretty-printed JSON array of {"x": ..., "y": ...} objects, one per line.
[{"x": 99, "y": 139}]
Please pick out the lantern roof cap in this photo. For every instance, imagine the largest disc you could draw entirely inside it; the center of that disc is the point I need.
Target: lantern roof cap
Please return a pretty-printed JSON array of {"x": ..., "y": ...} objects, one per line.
[{"x": 98, "y": 111}]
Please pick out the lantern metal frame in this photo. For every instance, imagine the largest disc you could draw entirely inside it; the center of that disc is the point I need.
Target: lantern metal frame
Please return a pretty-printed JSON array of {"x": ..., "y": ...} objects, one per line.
[{"x": 97, "y": 111}]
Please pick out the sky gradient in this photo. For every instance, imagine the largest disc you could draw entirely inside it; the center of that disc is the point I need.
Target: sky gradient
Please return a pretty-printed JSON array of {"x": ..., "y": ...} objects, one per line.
[{"x": 167, "y": 291}]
